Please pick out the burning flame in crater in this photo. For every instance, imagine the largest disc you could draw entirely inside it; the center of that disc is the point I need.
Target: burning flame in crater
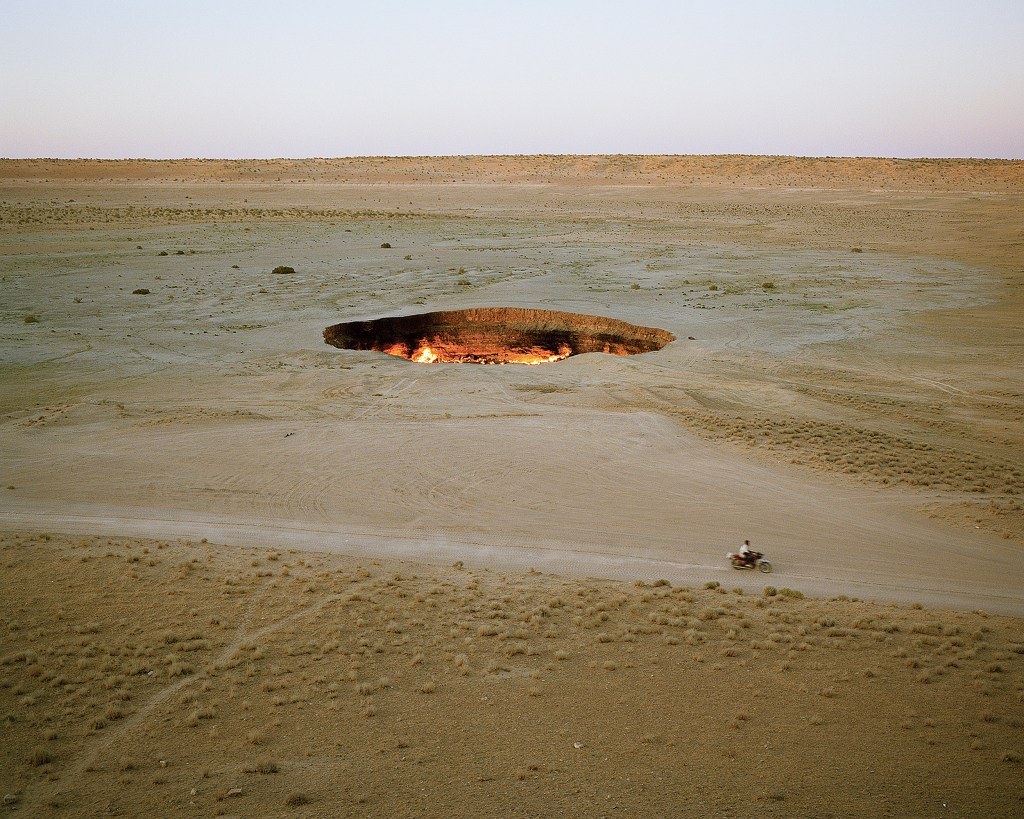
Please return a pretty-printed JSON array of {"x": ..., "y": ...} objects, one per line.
[{"x": 451, "y": 354}]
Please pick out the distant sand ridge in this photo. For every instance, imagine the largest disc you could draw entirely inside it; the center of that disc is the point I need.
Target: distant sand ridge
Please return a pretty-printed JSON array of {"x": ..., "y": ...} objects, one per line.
[{"x": 863, "y": 173}]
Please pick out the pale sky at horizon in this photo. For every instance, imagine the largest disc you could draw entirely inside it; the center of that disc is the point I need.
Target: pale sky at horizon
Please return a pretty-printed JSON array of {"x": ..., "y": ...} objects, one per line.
[{"x": 115, "y": 79}]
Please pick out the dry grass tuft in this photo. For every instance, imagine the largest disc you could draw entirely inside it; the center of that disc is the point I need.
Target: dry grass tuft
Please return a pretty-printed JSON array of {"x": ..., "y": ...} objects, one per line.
[
  {"x": 296, "y": 799},
  {"x": 264, "y": 765},
  {"x": 39, "y": 756}
]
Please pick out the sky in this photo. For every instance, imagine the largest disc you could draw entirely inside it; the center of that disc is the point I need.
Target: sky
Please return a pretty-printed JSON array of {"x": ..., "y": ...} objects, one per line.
[{"x": 312, "y": 78}]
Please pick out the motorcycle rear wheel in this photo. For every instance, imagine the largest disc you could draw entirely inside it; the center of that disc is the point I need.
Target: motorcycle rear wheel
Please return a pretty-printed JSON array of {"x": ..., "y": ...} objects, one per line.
[{"x": 764, "y": 566}]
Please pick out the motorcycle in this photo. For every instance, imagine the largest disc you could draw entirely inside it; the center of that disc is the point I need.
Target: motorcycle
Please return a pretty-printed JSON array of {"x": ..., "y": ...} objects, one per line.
[{"x": 752, "y": 560}]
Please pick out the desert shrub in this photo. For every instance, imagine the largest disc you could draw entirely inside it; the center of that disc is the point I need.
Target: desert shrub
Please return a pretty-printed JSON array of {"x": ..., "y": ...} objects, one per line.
[
  {"x": 39, "y": 756},
  {"x": 113, "y": 713},
  {"x": 31, "y": 320},
  {"x": 283, "y": 268},
  {"x": 266, "y": 766},
  {"x": 180, "y": 669},
  {"x": 386, "y": 245},
  {"x": 162, "y": 253},
  {"x": 296, "y": 799},
  {"x": 712, "y": 584},
  {"x": 140, "y": 291},
  {"x": 797, "y": 595},
  {"x": 770, "y": 591},
  {"x": 768, "y": 285}
]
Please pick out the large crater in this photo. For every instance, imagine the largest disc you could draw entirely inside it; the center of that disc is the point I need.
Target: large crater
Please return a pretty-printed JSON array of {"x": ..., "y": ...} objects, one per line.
[{"x": 496, "y": 335}]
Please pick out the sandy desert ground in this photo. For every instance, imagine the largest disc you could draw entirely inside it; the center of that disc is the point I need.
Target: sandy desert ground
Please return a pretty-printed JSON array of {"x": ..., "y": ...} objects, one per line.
[{"x": 248, "y": 573}]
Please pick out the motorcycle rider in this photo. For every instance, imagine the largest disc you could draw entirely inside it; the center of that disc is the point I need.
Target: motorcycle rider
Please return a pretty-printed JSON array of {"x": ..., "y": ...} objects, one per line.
[{"x": 746, "y": 553}]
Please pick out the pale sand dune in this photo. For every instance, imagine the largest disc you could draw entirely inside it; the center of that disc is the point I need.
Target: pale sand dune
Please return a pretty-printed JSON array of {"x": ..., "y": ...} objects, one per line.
[{"x": 845, "y": 389}]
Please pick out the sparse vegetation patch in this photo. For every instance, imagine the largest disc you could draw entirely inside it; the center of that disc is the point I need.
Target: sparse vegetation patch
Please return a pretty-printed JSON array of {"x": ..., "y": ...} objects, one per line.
[{"x": 385, "y": 655}]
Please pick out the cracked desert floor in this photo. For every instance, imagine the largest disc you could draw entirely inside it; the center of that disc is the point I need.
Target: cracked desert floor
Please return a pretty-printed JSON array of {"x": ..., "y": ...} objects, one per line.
[{"x": 247, "y": 573}]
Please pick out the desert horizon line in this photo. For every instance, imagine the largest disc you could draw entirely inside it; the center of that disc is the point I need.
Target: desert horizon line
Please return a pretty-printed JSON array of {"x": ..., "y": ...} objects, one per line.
[{"x": 824, "y": 157}]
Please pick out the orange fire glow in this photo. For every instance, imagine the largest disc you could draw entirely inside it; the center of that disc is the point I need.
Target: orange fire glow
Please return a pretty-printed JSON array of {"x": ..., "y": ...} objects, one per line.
[{"x": 445, "y": 353}]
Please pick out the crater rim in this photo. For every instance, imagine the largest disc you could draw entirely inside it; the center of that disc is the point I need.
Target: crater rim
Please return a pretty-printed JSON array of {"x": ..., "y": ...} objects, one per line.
[{"x": 496, "y": 335}]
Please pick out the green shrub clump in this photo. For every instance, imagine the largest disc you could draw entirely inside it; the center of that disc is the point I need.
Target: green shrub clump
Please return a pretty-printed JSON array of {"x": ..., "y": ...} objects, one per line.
[{"x": 283, "y": 268}]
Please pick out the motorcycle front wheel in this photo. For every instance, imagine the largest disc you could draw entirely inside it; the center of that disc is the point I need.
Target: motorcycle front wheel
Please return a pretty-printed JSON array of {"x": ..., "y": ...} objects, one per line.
[{"x": 764, "y": 566}]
